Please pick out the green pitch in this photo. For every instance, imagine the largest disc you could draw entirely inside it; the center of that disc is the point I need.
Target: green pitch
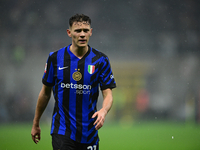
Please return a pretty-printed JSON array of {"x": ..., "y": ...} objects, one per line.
[{"x": 140, "y": 136}]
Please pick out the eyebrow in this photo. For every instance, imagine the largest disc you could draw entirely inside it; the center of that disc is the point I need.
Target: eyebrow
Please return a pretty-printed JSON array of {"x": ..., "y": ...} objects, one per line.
[{"x": 81, "y": 30}]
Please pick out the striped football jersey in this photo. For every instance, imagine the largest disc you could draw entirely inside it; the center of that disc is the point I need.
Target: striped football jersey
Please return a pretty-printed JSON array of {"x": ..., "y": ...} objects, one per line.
[{"x": 76, "y": 85}]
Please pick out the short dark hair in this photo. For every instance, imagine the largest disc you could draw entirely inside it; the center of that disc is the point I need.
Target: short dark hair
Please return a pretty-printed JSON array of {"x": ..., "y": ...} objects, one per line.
[{"x": 79, "y": 18}]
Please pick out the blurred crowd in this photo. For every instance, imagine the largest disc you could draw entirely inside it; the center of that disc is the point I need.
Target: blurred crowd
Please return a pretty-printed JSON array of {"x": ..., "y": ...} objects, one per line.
[
  {"x": 128, "y": 30},
  {"x": 157, "y": 26}
]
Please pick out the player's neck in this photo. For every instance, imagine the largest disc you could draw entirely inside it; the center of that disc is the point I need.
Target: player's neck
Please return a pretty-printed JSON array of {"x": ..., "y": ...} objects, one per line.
[{"x": 78, "y": 51}]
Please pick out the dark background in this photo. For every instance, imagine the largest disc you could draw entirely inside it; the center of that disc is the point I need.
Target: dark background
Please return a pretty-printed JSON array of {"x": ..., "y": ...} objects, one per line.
[{"x": 153, "y": 46}]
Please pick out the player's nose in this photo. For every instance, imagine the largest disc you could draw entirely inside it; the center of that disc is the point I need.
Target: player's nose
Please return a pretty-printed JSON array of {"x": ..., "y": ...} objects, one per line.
[{"x": 82, "y": 34}]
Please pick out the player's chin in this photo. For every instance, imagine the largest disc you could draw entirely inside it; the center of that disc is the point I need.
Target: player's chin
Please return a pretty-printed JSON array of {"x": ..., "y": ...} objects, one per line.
[{"x": 81, "y": 45}]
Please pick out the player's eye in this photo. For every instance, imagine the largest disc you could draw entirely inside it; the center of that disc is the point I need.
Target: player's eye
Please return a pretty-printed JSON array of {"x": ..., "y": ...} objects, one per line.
[
  {"x": 85, "y": 30},
  {"x": 78, "y": 31}
]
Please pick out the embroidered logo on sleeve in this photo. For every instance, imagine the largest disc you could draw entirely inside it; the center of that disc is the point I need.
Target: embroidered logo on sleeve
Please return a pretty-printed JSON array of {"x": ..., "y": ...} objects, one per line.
[{"x": 45, "y": 69}]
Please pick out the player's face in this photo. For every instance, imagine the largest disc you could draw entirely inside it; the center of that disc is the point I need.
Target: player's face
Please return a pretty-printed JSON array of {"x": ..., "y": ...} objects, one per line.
[{"x": 80, "y": 33}]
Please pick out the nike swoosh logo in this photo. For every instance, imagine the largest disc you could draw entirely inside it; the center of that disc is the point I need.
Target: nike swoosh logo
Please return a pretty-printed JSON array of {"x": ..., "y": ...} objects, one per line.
[{"x": 61, "y": 68}]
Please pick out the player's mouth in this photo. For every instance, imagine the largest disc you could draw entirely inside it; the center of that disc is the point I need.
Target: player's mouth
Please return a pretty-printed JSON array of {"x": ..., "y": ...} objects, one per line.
[{"x": 82, "y": 41}]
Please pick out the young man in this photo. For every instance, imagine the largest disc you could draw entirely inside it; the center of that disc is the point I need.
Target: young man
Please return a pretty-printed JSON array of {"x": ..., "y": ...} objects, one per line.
[{"x": 74, "y": 73}]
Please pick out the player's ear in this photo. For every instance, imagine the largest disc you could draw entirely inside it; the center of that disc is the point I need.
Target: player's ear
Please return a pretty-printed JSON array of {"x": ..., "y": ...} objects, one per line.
[
  {"x": 69, "y": 32},
  {"x": 91, "y": 32}
]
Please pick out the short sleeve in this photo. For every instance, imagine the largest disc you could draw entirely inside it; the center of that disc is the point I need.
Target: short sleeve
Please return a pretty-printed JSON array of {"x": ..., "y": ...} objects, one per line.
[
  {"x": 48, "y": 77},
  {"x": 106, "y": 76}
]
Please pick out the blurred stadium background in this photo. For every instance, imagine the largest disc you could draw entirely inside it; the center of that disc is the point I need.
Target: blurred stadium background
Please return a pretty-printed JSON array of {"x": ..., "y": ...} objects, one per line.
[{"x": 153, "y": 46}]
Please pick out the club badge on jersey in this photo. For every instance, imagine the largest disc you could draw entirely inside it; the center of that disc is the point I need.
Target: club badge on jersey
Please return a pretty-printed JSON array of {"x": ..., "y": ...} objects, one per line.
[{"x": 77, "y": 75}]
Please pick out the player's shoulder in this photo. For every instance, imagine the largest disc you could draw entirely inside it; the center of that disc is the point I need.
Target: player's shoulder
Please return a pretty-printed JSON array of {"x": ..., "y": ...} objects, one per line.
[
  {"x": 54, "y": 54},
  {"x": 98, "y": 54}
]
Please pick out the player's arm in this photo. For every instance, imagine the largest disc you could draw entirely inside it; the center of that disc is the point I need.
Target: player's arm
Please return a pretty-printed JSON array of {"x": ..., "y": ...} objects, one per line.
[
  {"x": 42, "y": 102},
  {"x": 107, "y": 104}
]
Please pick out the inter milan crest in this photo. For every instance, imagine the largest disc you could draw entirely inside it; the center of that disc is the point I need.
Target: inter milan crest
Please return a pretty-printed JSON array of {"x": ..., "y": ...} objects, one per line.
[
  {"x": 91, "y": 69},
  {"x": 77, "y": 75}
]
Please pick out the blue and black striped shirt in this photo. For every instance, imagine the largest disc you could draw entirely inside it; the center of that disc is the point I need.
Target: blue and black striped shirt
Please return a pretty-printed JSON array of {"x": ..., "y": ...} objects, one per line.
[{"x": 76, "y": 85}]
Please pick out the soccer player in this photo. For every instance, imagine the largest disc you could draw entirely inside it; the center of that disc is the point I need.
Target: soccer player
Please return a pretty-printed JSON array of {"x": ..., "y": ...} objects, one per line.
[{"x": 74, "y": 74}]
